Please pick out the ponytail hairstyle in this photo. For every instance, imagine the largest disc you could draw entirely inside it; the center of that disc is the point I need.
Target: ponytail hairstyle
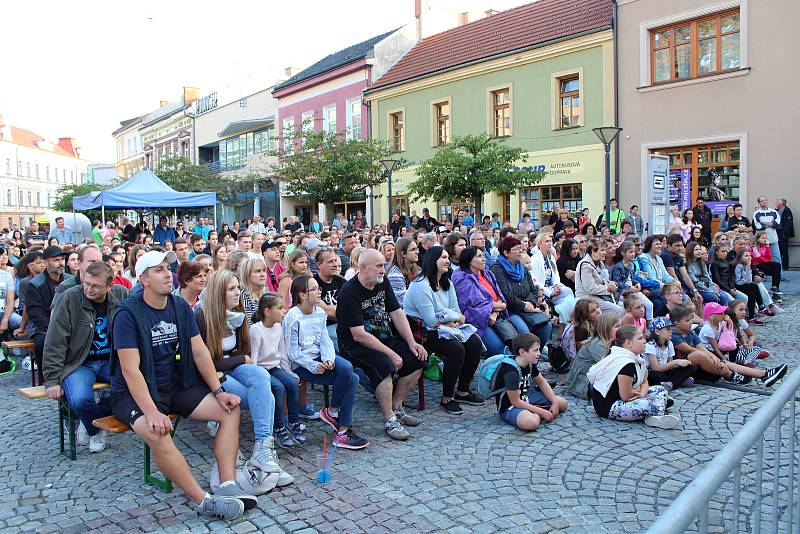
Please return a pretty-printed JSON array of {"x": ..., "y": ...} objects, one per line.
[
  {"x": 626, "y": 333},
  {"x": 629, "y": 302},
  {"x": 267, "y": 301},
  {"x": 299, "y": 286},
  {"x": 622, "y": 249}
]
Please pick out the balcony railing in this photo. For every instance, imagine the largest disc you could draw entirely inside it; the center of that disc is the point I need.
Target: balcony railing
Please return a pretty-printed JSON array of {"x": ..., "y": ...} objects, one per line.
[{"x": 216, "y": 167}]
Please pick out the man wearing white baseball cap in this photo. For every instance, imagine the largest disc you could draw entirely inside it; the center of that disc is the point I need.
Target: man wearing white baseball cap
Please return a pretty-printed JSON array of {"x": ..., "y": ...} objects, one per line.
[{"x": 149, "y": 381}]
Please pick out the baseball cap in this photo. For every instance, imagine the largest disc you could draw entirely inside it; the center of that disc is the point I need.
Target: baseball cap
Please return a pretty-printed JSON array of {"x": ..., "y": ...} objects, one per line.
[
  {"x": 441, "y": 229},
  {"x": 153, "y": 258},
  {"x": 660, "y": 322},
  {"x": 54, "y": 252},
  {"x": 269, "y": 244},
  {"x": 313, "y": 243},
  {"x": 713, "y": 307}
]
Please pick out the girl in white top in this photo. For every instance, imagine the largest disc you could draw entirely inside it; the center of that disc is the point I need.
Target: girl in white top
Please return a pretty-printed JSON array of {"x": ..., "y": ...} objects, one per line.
[{"x": 269, "y": 351}]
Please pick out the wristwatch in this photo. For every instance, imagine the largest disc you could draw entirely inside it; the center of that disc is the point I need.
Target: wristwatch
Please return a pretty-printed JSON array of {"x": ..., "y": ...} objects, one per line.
[{"x": 218, "y": 391}]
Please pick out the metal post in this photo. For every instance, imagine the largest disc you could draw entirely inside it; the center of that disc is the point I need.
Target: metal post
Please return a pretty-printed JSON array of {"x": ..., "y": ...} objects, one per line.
[
  {"x": 608, "y": 185},
  {"x": 103, "y": 213},
  {"x": 776, "y": 478},
  {"x": 759, "y": 470},
  {"x": 215, "y": 216},
  {"x": 390, "y": 198},
  {"x": 737, "y": 490},
  {"x": 792, "y": 465}
]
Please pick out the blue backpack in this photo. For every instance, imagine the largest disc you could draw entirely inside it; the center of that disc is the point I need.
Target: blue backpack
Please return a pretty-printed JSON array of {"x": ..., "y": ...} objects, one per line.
[{"x": 487, "y": 374}]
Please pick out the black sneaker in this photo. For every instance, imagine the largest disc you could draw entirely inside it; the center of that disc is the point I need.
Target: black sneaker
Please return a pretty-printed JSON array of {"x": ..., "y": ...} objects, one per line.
[
  {"x": 773, "y": 374},
  {"x": 451, "y": 407},
  {"x": 670, "y": 402},
  {"x": 739, "y": 379},
  {"x": 469, "y": 398},
  {"x": 349, "y": 440}
]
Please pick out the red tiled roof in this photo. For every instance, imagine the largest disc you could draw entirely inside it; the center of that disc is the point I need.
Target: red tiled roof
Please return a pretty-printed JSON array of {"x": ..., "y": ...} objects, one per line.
[
  {"x": 515, "y": 29},
  {"x": 27, "y": 138}
]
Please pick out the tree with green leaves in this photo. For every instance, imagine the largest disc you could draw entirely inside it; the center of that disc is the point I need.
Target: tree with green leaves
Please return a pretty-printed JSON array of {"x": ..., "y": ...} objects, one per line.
[
  {"x": 472, "y": 166},
  {"x": 328, "y": 167}
]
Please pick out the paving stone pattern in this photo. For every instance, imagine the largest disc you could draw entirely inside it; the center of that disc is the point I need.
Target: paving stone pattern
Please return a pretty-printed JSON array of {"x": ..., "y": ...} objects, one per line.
[{"x": 466, "y": 474}]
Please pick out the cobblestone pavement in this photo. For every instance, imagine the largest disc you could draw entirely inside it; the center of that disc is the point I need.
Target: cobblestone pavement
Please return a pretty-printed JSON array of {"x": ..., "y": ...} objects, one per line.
[{"x": 457, "y": 474}]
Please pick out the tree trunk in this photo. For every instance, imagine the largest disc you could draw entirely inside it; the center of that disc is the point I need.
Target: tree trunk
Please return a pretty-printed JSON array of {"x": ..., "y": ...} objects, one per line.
[{"x": 476, "y": 209}]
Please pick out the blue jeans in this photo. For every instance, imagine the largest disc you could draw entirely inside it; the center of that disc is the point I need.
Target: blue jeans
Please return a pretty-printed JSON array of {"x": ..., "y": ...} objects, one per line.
[
  {"x": 709, "y": 296},
  {"x": 285, "y": 386},
  {"x": 334, "y": 337},
  {"x": 741, "y": 297},
  {"x": 776, "y": 252},
  {"x": 252, "y": 384},
  {"x": 344, "y": 382},
  {"x": 494, "y": 345},
  {"x": 78, "y": 391},
  {"x": 524, "y": 323}
]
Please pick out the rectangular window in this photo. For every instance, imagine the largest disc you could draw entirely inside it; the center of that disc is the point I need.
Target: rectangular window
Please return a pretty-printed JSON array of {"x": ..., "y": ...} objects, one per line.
[
  {"x": 501, "y": 112},
  {"x": 441, "y": 113},
  {"x": 37, "y": 170},
  {"x": 398, "y": 131},
  {"x": 9, "y": 197},
  {"x": 20, "y": 198},
  {"x": 8, "y": 166},
  {"x": 30, "y": 199},
  {"x": 400, "y": 205},
  {"x": 119, "y": 151},
  {"x": 538, "y": 202},
  {"x": 307, "y": 124},
  {"x": 288, "y": 134},
  {"x": 329, "y": 118},
  {"x": 27, "y": 169},
  {"x": 38, "y": 199},
  {"x": 19, "y": 168},
  {"x": 569, "y": 99},
  {"x": 47, "y": 172},
  {"x": 354, "y": 119},
  {"x": 694, "y": 48}
]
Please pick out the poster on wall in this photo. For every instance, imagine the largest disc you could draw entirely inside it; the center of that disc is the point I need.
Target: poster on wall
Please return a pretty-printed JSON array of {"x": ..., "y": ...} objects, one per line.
[
  {"x": 714, "y": 194},
  {"x": 680, "y": 188}
]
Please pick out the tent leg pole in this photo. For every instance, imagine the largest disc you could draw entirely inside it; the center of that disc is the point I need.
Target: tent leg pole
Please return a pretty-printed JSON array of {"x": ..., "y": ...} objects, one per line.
[
  {"x": 103, "y": 213},
  {"x": 175, "y": 216},
  {"x": 215, "y": 216}
]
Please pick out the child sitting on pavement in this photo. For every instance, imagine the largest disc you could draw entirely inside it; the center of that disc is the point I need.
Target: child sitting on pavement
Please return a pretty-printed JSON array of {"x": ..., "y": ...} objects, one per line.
[
  {"x": 660, "y": 358},
  {"x": 620, "y": 390},
  {"x": 711, "y": 368},
  {"x": 634, "y": 312},
  {"x": 522, "y": 404},
  {"x": 745, "y": 336}
]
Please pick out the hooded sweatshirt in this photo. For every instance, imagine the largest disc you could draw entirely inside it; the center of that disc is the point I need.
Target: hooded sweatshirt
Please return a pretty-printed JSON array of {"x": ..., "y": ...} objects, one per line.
[{"x": 306, "y": 338}]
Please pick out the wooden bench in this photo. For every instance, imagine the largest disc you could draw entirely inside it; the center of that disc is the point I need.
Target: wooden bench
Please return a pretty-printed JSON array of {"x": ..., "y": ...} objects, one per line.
[
  {"x": 114, "y": 426},
  {"x": 66, "y": 417},
  {"x": 28, "y": 345}
]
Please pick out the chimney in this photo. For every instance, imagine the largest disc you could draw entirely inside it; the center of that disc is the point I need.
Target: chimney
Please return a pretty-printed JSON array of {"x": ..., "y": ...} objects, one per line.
[
  {"x": 71, "y": 145},
  {"x": 417, "y": 9},
  {"x": 190, "y": 94},
  {"x": 463, "y": 18},
  {"x": 490, "y": 12},
  {"x": 162, "y": 103},
  {"x": 291, "y": 71}
]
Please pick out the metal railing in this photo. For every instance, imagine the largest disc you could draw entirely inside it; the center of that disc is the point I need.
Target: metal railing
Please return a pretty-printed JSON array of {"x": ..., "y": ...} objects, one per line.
[{"x": 693, "y": 502}]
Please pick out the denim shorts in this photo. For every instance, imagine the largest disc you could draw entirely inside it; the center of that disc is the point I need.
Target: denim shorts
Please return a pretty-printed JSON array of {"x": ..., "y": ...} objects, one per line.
[{"x": 535, "y": 397}]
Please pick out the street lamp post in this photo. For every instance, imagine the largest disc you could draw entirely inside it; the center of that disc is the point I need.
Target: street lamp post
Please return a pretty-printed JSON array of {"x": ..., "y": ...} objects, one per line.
[
  {"x": 607, "y": 134},
  {"x": 389, "y": 165}
]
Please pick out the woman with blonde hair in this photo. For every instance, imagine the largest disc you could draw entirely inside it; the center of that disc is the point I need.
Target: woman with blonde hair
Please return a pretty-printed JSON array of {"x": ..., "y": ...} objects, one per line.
[
  {"x": 296, "y": 265},
  {"x": 353, "y": 269},
  {"x": 592, "y": 351},
  {"x": 253, "y": 276},
  {"x": 404, "y": 267},
  {"x": 225, "y": 331}
]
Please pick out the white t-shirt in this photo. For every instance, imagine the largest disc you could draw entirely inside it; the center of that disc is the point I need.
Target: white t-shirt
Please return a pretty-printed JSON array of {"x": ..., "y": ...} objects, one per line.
[
  {"x": 662, "y": 354},
  {"x": 6, "y": 285},
  {"x": 707, "y": 333}
]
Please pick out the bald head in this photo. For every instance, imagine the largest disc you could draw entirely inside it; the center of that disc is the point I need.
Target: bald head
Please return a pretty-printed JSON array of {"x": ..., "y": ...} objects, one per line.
[
  {"x": 369, "y": 255},
  {"x": 371, "y": 268}
]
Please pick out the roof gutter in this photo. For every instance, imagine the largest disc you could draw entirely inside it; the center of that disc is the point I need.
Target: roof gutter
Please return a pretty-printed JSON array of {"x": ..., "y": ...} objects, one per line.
[{"x": 489, "y": 58}]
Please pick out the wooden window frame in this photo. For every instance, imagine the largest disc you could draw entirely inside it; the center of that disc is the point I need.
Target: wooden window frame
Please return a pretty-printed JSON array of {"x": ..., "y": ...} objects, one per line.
[
  {"x": 571, "y": 95},
  {"x": 695, "y": 165},
  {"x": 555, "y": 88},
  {"x": 390, "y": 129},
  {"x": 436, "y": 119},
  {"x": 491, "y": 125},
  {"x": 694, "y": 42}
]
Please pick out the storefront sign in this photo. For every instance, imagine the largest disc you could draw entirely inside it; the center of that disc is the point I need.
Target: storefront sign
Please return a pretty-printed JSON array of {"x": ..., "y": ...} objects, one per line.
[
  {"x": 686, "y": 189},
  {"x": 207, "y": 103},
  {"x": 558, "y": 168},
  {"x": 718, "y": 208},
  {"x": 659, "y": 180}
]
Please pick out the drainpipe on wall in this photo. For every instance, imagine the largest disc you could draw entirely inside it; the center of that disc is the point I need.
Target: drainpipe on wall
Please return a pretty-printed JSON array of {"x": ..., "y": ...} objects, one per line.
[
  {"x": 614, "y": 28},
  {"x": 368, "y": 105}
]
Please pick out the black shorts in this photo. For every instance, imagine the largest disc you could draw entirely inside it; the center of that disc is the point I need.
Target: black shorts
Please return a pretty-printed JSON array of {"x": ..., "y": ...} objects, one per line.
[
  {"x": 175, "y": 400},
  {"x": 377, "y": 365}
]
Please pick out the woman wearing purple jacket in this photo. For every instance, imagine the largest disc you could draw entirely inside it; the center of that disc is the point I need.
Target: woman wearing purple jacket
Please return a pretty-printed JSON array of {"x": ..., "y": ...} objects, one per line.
[{"x": 482, "y": 302}]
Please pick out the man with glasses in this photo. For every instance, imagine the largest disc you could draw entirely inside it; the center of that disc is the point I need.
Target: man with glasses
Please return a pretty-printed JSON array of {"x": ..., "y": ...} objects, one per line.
[
  {"x": 478, "y": 239},
  {"x": 272, "y": 257},
  {"x": 71, "y": 365}
]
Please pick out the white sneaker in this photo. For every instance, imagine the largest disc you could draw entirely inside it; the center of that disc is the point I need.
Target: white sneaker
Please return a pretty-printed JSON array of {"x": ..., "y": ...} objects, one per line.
[
  {"x": 213, "y": 426},
  {"x": 284, "y": 479},
  {"x": 777, "y": 309},
  {"x": 264, "y": 456},
  {"x": 82, "y": 435},
  {"x": 97, "y": 442},
  {"x": 663, "y": 421}
]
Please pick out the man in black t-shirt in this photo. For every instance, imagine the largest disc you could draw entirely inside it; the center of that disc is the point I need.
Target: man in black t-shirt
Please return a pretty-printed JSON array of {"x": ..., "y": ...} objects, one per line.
[
  {"x": 366, "y": 310},
  {"x": 329, "y": 285},
  {"x": 675, "y": 263},
  {"x": 70, "y": 366}
]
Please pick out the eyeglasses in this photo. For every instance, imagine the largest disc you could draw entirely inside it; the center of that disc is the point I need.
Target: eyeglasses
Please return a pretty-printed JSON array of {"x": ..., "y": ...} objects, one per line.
[{"x": 95, "y": 287}]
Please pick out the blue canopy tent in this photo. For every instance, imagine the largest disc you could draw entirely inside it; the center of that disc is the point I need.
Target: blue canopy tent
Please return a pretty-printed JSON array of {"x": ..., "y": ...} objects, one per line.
[{"x": 143, "y": 190}]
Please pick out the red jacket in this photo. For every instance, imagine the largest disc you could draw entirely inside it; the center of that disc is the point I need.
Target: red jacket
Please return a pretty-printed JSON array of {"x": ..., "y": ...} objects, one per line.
[{"x": 761, "y": 254}]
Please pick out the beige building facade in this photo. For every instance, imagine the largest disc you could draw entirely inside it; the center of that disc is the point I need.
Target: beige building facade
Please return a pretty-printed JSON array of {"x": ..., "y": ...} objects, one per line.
[{"x": 707, "y": 84}]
